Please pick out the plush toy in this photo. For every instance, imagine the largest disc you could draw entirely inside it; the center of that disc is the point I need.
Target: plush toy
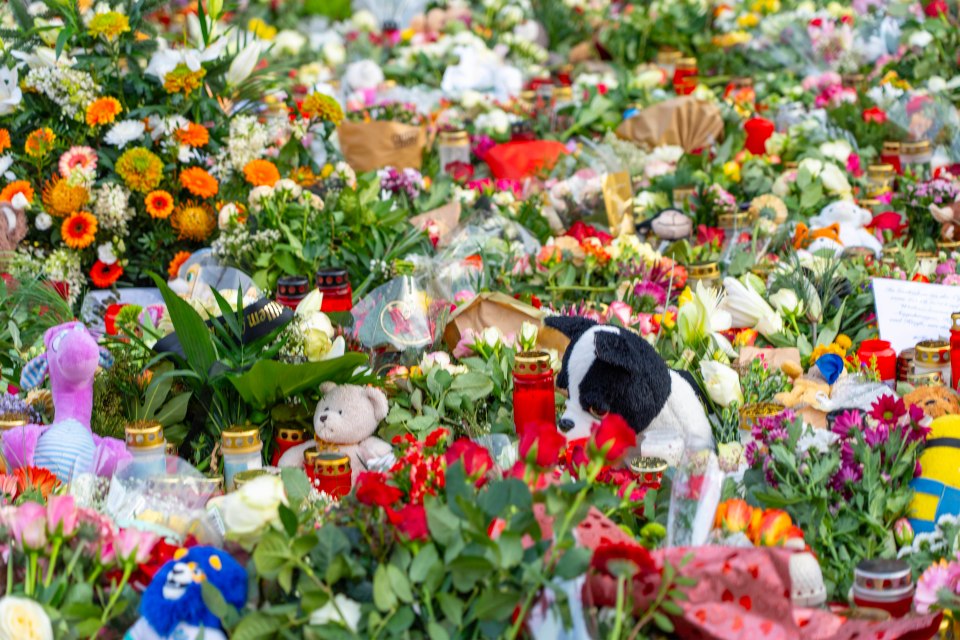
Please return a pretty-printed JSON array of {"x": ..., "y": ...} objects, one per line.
[
  {"x": 949, "y": 218},
  {"x": 67, "y": 446},
  {"x": 609, "y": 369},
  {"x": 172, "y": 606},
  {"x": 935, "y": 401},
  {"x": 815, "y": 240},
  {"x": 805, "y": 393},
  {"x": 937, "y": 490},
  {"x": 13, "y": 228},
  {"x": 345, "y": 421},
  {"x": 852, "y": 220}
]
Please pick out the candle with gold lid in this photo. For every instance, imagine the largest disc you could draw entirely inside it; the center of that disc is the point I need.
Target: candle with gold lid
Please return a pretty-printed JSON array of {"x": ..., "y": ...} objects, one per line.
[
  {"x": 706, "y": 272},
  {"x": 534, "y": 394},
  {"x": 685, "y": 76},
  {"x": 453, "y": 146},
  {"x": 890, "y": 154},
  {"x": 241, "y": 447},
  {"x": 147, "y": 447},
  {"x": 287, "y": 437},
  {"x": 931, "y": 356},
  {"x": 329, "y": 471}
]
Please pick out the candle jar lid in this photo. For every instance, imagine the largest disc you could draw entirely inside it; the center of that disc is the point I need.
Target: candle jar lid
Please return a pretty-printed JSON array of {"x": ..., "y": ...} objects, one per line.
[
  {"x": 956, "y": 319},
  {"x": 728, "y": 220},
  {"x": 454, "y": 138},
  {"x": 144, "y": 434},
  {"x": 171, "y": 449},
  {"x": 918, "y": 147},
  {"x": 646, "y": 464},
  {"x": 244, "y": 477},
  {"x": 683, "y": 193},
  {"x": 882, "y": 573},
  {"x": 241, "y": 440},
  {"x": 13, "y": 420},
  {"x": 531, "y": 362},
  {"x": 881, "y": 170},
  {"x": 687, "y": 63},
  {"x": 563, "y": 93},
  {"x": 668, "y": 56},
  {"x": 933, "y": 352},
  {"x": 293, "y": 285},
  {"x": 332, "y": 278},
  {"x": 291, "y": 434},
  {"x": 891, "y": 147},
  {"x": 929, "y": 379},
  {"x": 948, "y": 245},
  {"x": 327, "y": 463},
  {"x": 704, "y": 270},
  {"x": 528, "y": 95},
  {"x": 857, "y": 252}
]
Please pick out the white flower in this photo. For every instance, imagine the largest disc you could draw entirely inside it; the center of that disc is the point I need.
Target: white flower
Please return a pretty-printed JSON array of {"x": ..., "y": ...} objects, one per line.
[
  {"x": 721, "y": 382},
  {"x": 668, "y": 153},
  {"x": 786, "y": 301},
  {"x": 342, "y": 610},
  {"x": 936, "y": 84},
  {"x": 334, "y": 53},
  {"x": 43, "y": 221},
  {"x": 491, "y": 336},
  {"x": 10, "y": 93},
  {"x": 363, "y": 20},
  {"x": 6, "y": 161},
  {"x": 288, "y": 186},
  {"x": 812, "y": 165},
  {"x": 166, "y": 60},
  {"x": 243, "y": 64},
  {"x": 252, "y": 507},
  {"x": 834, "y": 179},
  {"x": 20, "y": 202},
  {"x": 838, "y": 150},
  {"x": 470, "y": 99},
  {"x": 820, "y": 439},
  {"x": 288, "y": 42},
  {"x": 528, "y": 334},
  {"x": 23, "y": 619},
  {"x": 648, "y": 79},
  {"x": 259, "y": 194},
  {"x": 921, "y": 39},
  {"x": 362, "y": 75},
  {"x": 105, "y": 253},
  {"x": 124, "y": 132},
  {"x": 44, "y": 57},
  {"x": 227, "y": 214},
  {"x": 749, "y": 310}
]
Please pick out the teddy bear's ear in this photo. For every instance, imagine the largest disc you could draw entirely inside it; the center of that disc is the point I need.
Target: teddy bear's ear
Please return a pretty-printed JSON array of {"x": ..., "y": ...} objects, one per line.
[
  {"x": 378, "y": 400},
  {"x": 327, "y": 387}
]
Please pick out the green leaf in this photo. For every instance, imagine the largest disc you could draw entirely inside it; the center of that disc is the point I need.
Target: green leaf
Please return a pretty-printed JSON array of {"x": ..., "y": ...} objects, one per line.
[
  {"x": 256, "y": 626},
  {"x": 426, "y": 558},
  {"x": 510, "y": 547},
  {"x": 400, "y": 583},
  {"x": 495, "y": 605},
  {"x": 452, "y": 607},
  {"x": 443, "y": 524},
  {"x": 65, "y": 35},
  {"x": 662, "y": 622},
  {"x": 175, "y": 410},
  {"x": 271, "y": 554},
  {"x": 383, "y": 596},
  {"x": 574, "y": 563},
  {"x": 268, "y": 382},
  {"x": 509, "y": 492},
  {"x": 289, "y": 520},
  {"x": 474, "y": 385},
  {"x": 436, "y": 632},
  {"x": 192, "y": 331},
  {"x": 467, "y": 571},
  {"x": 331, "y": 543},
  {"x": 215, "y": 602},
  {"x": 295, "y": 484}
]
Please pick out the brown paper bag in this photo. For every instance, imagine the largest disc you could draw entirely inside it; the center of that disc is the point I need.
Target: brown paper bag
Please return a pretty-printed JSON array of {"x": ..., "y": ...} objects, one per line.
[
  {"x": 368, "y": 146},
  {"x": 505, "y": 313},
  {"x": 446, "y": 218},
  {"x": 684, "y": 121}
]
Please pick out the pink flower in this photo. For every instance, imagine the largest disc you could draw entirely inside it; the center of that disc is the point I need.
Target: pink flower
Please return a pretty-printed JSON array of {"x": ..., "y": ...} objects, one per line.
[
  {"x": 621, "y": 311},
  {"x": 83, "y": 158},
  {"x": 464, "y": 348},
  {"x": 133, "y": 545},
  {"x": 62, "y": 516},
  {"x": 29, "y": 526},
  {"x": 853, "y": 165},
  {"x": 931, "y": 581}
]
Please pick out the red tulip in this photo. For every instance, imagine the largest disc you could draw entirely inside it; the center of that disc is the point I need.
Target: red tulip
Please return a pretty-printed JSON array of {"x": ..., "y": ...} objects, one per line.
[
  {"x": 875, "y": 114},
  {"x": 612, "y": 438},
  {"x": 541, "y": 443},
  {"x": 475, "y": 458}
]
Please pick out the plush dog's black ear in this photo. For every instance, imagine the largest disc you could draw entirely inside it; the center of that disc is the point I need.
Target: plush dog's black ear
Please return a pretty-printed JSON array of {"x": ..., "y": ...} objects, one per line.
[
  {"x": 620, "y": 349},
  {"x": 571, "y": 326}
]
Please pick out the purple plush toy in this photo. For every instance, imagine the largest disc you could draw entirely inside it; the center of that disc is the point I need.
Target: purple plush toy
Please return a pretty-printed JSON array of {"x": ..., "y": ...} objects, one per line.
[{"x": 67, "y": 446}]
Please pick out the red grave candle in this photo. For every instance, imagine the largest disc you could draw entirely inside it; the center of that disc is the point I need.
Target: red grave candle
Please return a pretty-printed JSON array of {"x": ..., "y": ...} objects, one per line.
[
  {"x": 329, "y": 472},
  {"x": 291, "y": 290},
  {"x": 534, "y": 398},
  {"x": 286, "y": 438},
  {"x": 335, "y": 286},
  {"x": 685, "y": 76},
  {"x": 890, "y": 154},
  {"x": 955, "y": 350},
  {"x": 885, "y": 356},
  {"x": 758, "y": 132}
]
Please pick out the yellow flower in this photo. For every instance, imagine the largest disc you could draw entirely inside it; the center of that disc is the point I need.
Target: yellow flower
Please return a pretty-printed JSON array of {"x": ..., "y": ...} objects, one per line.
[
  {"x": 844, "y": 341},
  {"x": 40, "y": 142},
  {"x": 891, "y": 77},
  {"x": 326, "y": 171},
  {"x": 731, "y": 171},
  {"x": 183, "y": 80},
  {"x": 406, "y": 35},
  {"x": 748, "y": 20},
  {"x": 669, "y": 321},
  {"x": 765, "y": 6},
  {"x": 109, "y": 25},
  {"x": 686, "y": 296},
  {"x": 140, "y": 169},
  {"x": 322, "y": 107},
  {"x": 193, "y": 222},
  {"x": 732, "y": 39},
  {"x": 261, "y": 29}
]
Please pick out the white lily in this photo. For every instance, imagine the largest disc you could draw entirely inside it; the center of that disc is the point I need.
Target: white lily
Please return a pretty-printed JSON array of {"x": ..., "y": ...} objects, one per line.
[
  {"x": 10, "y": 93},
  {"x": 747, "y": 308},
  {"x": 166, "y": 60},
  {"x": 243, "y": 64}
]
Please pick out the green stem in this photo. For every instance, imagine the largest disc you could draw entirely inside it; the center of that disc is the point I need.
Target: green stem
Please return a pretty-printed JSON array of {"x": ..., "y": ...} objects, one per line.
[
  {"x": 53, "y": 561},
  {"x": 618, "y": 623},
  {"x": 127, "y": 570},
  {"x": 31, "y": 573}
]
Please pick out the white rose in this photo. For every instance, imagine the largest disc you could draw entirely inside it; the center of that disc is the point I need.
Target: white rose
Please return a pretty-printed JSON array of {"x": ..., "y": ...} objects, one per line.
[
  {"x": 259, "y": 194},
  {"x": 252, "y": 507},
  {"x": 491, "y": 336},
  {"x": 23, "y": 619},
  {"x": 528, "y": 333},
  {"x": 786, "y": 301},
  {"x": 812, "y": 165},
  {"x": 936, "y": 84},
  {"x": 722, "y": 383},
  {"x": 105, "y": 253},
  {"x": 363, "y": 20},
  {"x": 334, "y": 53},
  {"x": 288, "y": 186},
  {"x": 838, "y": 150},
  {"x": 346, "y": 613},
  {"x": 648, "y": 79},
  {"x": 470, "y": 99},
  {"x": 921, "y": 39},
  {"x": 289, "y": 42},
  {"x": 363, "y": 74},
  {"x": 834, "y": 179},
  {"x": 227, "y": 214},
  {"x": 43, "y": 222}
]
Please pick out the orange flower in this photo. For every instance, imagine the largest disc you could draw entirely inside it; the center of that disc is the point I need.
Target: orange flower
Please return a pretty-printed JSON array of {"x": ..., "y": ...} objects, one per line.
[
  {"x": 35, "y": 478},
  {"x": 193, "y": 222},
  {"x": 192, "y": 135},
  {"x": 4, "y": 140},
  {"x": 159, "y": 204},
  {"x": 60, "y": 198},
  {"x": 40, "y": 142},
  {"x": 775, "y": 527},
  {"x": 733, "y": 516},
  {"x": 18, "y": 186},
  {"x": 303, "y": 176},
  {"x": 79, "y": 230},
  {"x": 177, "y": 262},
  {"x": 103, "y": 111},
  {"x": 261, "y": 173},
  {"x": 198, "y": 182},
  {"x": 103, "y": 275}
]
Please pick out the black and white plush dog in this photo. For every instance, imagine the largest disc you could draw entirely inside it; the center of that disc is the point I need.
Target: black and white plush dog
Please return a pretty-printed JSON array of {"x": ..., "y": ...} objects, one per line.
[{"x": 608, "y": 369}]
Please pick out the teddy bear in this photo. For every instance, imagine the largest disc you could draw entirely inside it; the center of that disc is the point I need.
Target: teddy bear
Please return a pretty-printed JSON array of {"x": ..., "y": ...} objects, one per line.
[
  {"x": 13, "y": 229},
  {"x": 345, "y": 421},
  {"x": 936, "y": 401},
  {"x": 852, "y": 220},
  {"x": 949, "y": 218}
]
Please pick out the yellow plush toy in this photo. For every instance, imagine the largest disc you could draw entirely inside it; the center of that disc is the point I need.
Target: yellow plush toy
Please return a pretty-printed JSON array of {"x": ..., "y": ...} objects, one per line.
[{"x": 937, "y": 490}]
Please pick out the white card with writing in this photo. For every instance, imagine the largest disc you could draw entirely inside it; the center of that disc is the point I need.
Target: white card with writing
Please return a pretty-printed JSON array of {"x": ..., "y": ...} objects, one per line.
[{"x": 909, "y": 312}]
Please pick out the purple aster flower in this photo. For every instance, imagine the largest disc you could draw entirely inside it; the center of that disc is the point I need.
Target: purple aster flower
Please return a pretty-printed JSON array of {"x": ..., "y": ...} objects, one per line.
[
  {"x": 846, "y": 421},
  {"x": 847, "y": 455},
  {"x": 651, "y": 290},
  {"x": 846, "y": 475},
  {"x": 877, "y": 436},
  {"x": 752, "y": 453},
  {"x": 777, "y": 434}
]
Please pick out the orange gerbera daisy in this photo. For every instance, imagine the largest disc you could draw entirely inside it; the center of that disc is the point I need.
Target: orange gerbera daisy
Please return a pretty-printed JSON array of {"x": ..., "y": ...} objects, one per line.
[
  {"x": 79, "y": 230},
  {"x": 4, "y": 140},
  {"x": 193, "y": 221},
  {"x": 192, "y": 135},
  {"x": 261, "y": 173},
  {"x": 103, "y": 111},
  {"x": 40, "y": 142},
  {"x": 174, "y": 268},
  {"x": 15, "y": 187},
  {"x": 60, "y": 198},
  {"x": 159, "y": 204},
  {"x": 198, "y": 182},
  {"x": 103, "y": 275},
  {"x": 304, "y": 176}
]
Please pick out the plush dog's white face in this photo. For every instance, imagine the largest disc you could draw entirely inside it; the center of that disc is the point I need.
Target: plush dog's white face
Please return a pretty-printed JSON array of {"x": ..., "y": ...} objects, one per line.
[{"x": 577, "y": 420}]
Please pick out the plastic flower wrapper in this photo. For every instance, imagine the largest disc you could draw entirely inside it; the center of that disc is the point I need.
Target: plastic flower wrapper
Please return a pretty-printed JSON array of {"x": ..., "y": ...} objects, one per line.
[
  {"x": 694, "y": 499},
  {"x": 172, "y": 505},
  {"x": 398, "y": 314},
  {"x": 446, "y": 277},
  {"x": 201, "y": 272},
  {"x": 489, "y": 233},
  {"x": 924, "y": 116}
]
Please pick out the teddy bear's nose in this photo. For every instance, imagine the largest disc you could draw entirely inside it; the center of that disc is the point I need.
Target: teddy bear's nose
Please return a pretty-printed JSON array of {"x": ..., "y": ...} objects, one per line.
[{"x": 323, "y": 418}]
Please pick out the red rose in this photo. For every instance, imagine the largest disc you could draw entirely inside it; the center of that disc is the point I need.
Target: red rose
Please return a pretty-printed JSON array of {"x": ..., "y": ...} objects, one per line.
[
  {"x": 618, "y": 558},
  {"x": 373, "y": 490},
  {"x": 436, "y": 436},
  {"x": 710, "y": 235},
  {"x": 541, "y": 443},
  {"x": 934, "y": 8},
  {"x": 874, "y": 114},
  {"x": 411, "y": 521},
  {"x": 460, "y": 171},
  {"x": 476, "y": 459},
  {"x": 614, "y": 436},
  {"x": 816, "y": 22},
  {"x": 888, "y": 221}
]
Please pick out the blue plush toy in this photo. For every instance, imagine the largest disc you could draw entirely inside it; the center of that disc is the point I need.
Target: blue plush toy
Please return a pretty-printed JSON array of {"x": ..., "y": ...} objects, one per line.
[{"x": 172, "y": 607}]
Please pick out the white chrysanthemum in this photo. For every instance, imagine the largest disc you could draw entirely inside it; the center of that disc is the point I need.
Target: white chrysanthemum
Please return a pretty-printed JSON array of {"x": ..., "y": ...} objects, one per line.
[
  {"x": 111, "y": 206},
  {"x": 124, "y": 132},
  {"x": 43, "y": 221},
  {"x": 106, "y": 254}
]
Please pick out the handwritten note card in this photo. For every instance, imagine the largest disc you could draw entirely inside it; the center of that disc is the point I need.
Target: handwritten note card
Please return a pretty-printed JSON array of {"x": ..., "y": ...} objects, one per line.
[{"x": 908, "y": 312}]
